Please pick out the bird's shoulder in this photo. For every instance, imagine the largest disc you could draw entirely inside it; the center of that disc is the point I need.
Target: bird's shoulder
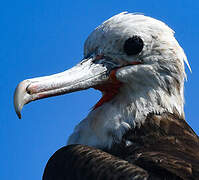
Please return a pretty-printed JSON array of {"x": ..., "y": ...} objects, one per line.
[{"x": 163, "y": 143}]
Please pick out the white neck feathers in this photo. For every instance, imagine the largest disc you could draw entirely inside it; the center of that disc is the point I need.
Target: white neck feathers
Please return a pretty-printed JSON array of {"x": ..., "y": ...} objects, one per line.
[{"x": 107, "y": 124}]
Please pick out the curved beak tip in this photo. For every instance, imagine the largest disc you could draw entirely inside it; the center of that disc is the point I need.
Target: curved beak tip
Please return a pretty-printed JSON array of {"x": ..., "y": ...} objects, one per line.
[
  {"x": 18, "y": 105},
  {"x": 18, "y": 114},
  {"x": 19, "y": 97}
]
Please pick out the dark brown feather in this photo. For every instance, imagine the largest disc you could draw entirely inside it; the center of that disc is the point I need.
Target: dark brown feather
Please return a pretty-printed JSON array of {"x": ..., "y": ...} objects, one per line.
[
  {"x": 163, "y": 148},
  {"x": 79, "y": 162}
]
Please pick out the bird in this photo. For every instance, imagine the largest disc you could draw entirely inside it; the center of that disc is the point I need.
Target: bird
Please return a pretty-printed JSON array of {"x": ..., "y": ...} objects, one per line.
[{"x": 137, "y": 130}]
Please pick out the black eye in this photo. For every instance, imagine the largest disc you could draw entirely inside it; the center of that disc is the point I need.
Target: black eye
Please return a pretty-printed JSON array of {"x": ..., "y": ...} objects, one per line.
[{"x": 133, "y": 45}]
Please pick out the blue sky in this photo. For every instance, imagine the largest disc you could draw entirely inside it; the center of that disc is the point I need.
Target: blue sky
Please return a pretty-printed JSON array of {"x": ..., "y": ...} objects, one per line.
[{"x": 42, "y": 37}]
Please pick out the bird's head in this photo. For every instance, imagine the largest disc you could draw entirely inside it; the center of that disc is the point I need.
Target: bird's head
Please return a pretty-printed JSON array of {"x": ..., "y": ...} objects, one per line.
[{"x": 131, "y": 58}]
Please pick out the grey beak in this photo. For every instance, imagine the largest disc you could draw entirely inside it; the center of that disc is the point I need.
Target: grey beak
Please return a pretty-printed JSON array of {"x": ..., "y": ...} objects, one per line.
[{"x": 84, "y": 75}]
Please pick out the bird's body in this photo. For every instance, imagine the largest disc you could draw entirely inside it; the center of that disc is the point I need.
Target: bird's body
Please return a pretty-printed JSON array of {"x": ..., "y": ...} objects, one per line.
[
  {"x": 163, "y": 148},
  {"x": 137, "y": 130}
]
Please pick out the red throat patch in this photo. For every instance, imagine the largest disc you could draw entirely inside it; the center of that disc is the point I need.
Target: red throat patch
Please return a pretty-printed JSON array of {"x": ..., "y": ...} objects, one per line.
[{"x": 109, "y": 90}]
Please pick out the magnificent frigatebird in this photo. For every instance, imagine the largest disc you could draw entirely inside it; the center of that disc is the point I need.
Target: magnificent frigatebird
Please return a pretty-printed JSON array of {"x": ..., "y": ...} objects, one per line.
[{"x": 137, "y": 130}]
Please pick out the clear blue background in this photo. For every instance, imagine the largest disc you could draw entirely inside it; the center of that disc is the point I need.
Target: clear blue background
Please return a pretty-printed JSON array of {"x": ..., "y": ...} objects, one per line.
[{"x": 42, "y": 37}]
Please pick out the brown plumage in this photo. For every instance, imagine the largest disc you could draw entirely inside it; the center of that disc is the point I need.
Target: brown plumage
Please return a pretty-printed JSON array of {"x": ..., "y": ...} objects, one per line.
[{"x": 163, "y": 148}]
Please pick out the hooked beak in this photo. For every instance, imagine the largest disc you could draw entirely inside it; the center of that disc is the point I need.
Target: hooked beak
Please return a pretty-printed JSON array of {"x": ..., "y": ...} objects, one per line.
[{"x": 84, "y": 75}]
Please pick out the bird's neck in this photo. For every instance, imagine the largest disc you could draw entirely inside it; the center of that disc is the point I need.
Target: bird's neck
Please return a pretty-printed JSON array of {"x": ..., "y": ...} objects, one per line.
[{"x": 108, "y": 123}]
